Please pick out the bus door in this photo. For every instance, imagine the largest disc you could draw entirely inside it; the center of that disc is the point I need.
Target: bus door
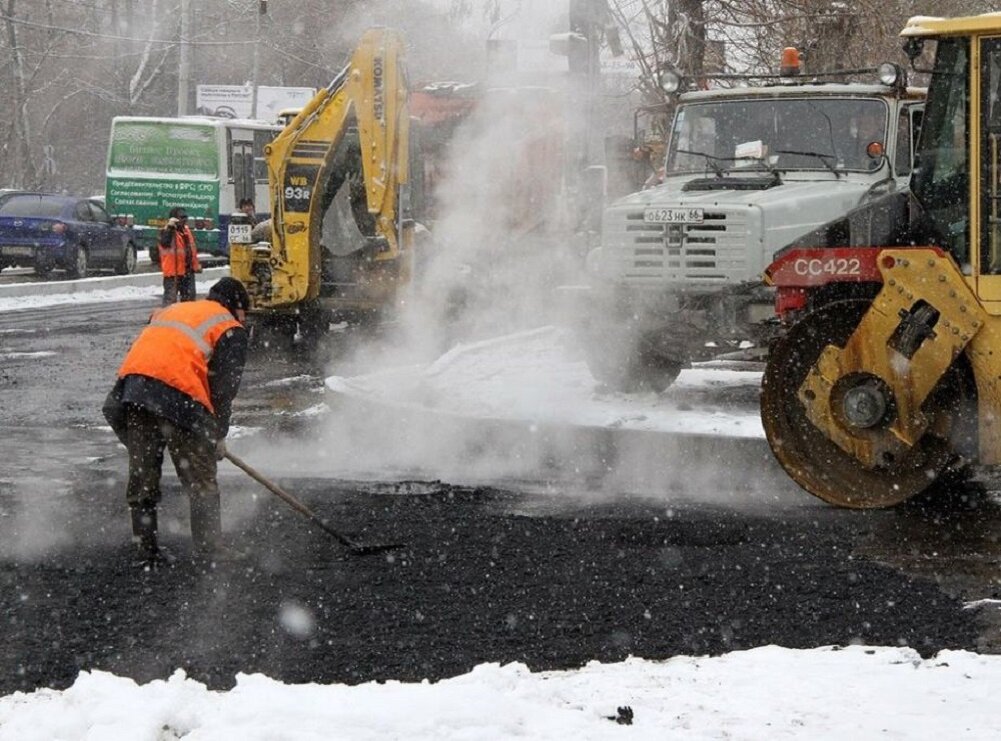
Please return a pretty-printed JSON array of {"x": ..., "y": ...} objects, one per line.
[{"x": 241, "y": 169}]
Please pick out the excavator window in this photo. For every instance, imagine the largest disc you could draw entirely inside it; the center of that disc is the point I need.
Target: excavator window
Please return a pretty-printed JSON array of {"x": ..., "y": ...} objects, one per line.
[
  {"x": 990, "y": 148},
  {"x": 907, "y": 120},
  {"x": 941, "y": 180}
]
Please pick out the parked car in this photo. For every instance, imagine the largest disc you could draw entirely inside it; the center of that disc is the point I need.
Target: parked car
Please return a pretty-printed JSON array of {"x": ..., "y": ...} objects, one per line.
[{"x": 46, "y": 232}]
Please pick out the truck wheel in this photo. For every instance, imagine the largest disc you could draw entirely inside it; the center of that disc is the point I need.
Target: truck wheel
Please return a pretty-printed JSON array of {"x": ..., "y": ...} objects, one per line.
[
  {"x": 271, "y": 335},
  {"x": 633, "y": 369},
  {"x": 657, "y": 374},
  {"x": 312, "y": 326},
  {"x": 127, "y": 265}
]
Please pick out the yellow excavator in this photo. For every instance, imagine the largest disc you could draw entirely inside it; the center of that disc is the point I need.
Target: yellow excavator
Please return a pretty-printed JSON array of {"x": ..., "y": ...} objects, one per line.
[
  {"x": 887, "y": 379},
  {"x": 341, "y": 231}
]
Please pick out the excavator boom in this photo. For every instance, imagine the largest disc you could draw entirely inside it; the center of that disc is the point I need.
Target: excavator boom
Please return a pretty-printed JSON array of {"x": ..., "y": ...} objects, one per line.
[{"x": 351, "y": 139}]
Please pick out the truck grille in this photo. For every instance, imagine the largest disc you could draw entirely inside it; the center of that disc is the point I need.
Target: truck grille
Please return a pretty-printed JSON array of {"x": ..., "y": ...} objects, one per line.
[{"x": 714, "y": 251}]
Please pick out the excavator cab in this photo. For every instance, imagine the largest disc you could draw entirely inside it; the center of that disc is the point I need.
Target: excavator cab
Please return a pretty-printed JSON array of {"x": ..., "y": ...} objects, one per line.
[
  {"x": 887, "y": 376},
  {"x": 339, "y": 177}
]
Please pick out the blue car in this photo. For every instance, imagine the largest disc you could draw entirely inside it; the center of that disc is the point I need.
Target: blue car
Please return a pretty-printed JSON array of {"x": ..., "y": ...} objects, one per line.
[{"x": 52, "y": 232}]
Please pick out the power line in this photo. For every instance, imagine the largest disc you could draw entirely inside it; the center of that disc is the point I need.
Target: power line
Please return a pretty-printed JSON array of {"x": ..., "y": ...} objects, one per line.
[
  {"x": 93, "y": 34},
  {"x": 290, "y": 55}
]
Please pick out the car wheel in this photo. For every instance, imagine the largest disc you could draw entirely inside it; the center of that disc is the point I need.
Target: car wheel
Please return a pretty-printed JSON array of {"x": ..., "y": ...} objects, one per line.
[
  {"x": 127, "y": 265},
  {"x": 42, "y": 270},
  {"x": 76, "y": 266}
]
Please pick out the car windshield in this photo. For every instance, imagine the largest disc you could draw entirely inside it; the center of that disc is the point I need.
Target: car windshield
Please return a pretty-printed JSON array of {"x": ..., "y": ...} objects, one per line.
[
  {"x": 40, "y": 207},
  {"x": 790, "y": 134}
]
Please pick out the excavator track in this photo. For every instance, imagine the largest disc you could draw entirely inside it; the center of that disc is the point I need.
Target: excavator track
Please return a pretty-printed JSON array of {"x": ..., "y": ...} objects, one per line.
[{"x": 812, "y": 459}]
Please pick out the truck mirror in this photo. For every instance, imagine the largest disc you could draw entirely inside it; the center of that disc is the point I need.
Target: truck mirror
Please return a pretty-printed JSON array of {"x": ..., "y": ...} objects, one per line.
[{"x": 913, "y": 47}]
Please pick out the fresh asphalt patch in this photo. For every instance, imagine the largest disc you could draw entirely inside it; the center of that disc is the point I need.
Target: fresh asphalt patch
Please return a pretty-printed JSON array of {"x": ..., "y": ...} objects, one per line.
[{"x": 553, "y": 576}]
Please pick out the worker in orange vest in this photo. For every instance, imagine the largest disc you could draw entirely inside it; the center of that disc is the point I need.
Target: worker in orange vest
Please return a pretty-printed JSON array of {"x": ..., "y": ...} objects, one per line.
[
  {"x": 178, "y": 258},
  {"x": 175, "y": 390}
]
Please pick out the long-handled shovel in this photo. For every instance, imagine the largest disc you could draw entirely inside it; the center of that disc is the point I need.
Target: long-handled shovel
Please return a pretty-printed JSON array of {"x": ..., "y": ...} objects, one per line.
[{"x": 358, "y": 549}]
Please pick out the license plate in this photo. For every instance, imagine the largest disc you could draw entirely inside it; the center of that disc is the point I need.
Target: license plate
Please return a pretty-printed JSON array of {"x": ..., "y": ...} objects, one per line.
[
  {"x": 239, "y": 233},
  {"x": 673, "y": 216},
  {"x": 17, "y": 251}
]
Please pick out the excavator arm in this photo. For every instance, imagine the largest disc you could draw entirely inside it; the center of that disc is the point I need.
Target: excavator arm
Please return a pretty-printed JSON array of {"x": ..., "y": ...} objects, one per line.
[{"x": 354, "y": 135}]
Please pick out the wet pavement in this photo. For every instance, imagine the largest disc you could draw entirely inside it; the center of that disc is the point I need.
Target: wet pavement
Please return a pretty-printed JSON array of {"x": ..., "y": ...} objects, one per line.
[{"x": 552, "y": 570}]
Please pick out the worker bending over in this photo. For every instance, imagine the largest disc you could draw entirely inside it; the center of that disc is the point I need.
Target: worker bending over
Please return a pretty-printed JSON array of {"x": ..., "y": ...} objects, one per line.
[{"x": 175, "y": 390}]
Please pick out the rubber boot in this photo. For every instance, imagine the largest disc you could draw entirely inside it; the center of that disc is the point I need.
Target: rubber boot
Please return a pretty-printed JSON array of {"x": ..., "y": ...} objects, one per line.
[
  {"x": 144, "y": 529},
  {"x": 206, "y": 529}
]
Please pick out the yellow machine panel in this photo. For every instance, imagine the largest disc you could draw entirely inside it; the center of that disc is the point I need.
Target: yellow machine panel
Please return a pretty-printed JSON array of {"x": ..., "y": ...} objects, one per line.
[
  {"x": 887, "y": 379},
  {"x": 349, "y": 142}
]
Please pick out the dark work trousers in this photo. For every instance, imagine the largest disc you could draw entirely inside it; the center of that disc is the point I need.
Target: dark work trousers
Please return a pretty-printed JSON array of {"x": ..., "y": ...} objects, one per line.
[
  {"x": 178, "y": 288},
  {"x": 147, "y": 435}
]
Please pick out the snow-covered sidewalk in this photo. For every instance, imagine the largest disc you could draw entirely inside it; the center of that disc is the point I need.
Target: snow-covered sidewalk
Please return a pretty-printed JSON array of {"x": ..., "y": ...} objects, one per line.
[
  {"x": 539, "y": 376},
  {"x": 93, "y": 290}
]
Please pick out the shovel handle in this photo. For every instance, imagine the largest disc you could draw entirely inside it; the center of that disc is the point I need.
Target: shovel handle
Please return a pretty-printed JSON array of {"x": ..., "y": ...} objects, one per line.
[{"x": 290, "y": 500}]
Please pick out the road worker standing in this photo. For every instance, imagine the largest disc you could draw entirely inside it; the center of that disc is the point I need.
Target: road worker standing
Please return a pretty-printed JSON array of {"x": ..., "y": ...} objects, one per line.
[{"x": 178, "y": 258}]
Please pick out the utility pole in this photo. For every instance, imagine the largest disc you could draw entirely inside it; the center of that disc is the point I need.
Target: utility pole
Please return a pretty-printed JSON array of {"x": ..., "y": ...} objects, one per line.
[
  {"x": 184, "y": 60},
  {"x": 262, "y": 10},
  {"x": 588, "y": 19}
]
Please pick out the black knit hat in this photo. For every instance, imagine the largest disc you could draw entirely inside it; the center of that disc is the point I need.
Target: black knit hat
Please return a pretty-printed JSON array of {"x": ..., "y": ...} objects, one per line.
[{"x": 230, "y": 293}]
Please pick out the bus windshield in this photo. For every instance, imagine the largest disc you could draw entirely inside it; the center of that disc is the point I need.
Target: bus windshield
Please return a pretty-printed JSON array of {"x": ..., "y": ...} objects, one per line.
[
  {"x": 789, "y": 134},
  {"x": 164, "y": 147}
]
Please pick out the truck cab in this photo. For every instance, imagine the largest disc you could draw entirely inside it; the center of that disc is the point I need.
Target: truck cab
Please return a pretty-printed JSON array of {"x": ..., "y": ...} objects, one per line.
[{"x": 748, "y": 170}]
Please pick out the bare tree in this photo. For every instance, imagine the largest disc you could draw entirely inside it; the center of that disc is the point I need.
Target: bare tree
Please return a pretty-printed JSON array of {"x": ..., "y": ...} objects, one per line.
[
  {"x": 68, "y": 66},
  {"x": 696, "y": 37}
]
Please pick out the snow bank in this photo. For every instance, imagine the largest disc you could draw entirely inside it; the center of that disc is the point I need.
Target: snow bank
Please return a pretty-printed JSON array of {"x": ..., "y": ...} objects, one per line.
[
  {"x": 540, "y": 377},
  {"x": 768, "y": 692}
]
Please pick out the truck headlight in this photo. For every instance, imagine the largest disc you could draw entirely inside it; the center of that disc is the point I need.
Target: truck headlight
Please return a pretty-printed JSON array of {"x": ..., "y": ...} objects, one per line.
[
  {"x": 890, "y": 74},
  {"x": 670, "y": 81}
]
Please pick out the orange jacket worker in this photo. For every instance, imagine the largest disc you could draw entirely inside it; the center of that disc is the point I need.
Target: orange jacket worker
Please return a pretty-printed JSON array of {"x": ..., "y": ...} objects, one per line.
[
  {"x": 175, "y": 391},
  {"x": 178, "y": 258}
]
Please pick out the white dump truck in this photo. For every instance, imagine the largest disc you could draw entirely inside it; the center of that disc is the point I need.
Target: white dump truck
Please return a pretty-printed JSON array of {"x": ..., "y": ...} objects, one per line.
[{"x": 749, "y": 169}]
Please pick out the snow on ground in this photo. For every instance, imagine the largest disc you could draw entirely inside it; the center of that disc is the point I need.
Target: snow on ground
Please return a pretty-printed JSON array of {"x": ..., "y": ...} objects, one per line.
[
  {"x": 769, "y": 692},
  {"x": 95, "y": 296},
  {"x": 540, "y": 376},
  {"x": 93, "y": 290}
]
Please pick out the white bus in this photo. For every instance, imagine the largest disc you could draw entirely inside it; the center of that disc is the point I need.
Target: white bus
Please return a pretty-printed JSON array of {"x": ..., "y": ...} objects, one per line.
[{"x": 205, "y": 165}]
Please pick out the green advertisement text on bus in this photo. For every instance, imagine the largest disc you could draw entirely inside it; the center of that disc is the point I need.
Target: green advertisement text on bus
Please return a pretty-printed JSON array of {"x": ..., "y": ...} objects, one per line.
[{"x": 205, "y": 165}]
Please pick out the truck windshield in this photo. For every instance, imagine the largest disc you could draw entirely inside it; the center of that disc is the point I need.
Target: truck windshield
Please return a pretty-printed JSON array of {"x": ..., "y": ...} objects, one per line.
[{"x": 790, "y": 134}]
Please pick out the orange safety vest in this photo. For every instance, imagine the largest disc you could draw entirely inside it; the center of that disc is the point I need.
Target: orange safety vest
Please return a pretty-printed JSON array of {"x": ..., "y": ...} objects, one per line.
[
  {"x": 172, "y": 258},
  {"x": 176, "y": 346}
]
